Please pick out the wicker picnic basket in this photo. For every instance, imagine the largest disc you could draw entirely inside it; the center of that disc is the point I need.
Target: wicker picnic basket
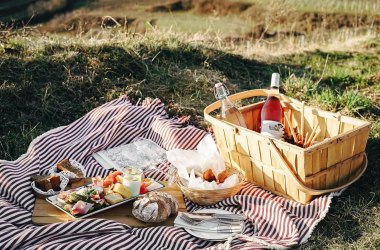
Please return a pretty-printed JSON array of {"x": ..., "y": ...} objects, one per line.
[{"x": 335, "y": 162}]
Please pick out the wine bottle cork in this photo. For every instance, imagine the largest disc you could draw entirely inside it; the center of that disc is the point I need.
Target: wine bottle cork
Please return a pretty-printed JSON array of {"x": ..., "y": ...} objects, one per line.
[{"x": 275, "y": 81}]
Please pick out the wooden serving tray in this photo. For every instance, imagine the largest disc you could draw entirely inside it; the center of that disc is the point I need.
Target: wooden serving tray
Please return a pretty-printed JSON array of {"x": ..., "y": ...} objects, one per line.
[{"x": 45, "y": 213}]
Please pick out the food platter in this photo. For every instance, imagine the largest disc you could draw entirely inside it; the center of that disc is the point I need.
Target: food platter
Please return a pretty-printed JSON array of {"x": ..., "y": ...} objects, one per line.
[{"x": 54, "y": 201}]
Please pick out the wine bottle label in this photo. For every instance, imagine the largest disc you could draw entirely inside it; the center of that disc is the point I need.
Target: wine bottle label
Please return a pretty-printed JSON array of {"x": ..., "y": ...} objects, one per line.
[{"x": 272, "y": 129}]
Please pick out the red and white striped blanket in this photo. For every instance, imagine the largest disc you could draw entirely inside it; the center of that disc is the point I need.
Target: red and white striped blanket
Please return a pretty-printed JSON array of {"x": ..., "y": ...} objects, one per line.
[{"x": 273, "y": 221}]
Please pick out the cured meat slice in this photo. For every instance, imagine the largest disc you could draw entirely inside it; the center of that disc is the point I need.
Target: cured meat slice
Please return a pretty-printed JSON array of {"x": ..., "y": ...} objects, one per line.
[{"x": 81, "y": 207}]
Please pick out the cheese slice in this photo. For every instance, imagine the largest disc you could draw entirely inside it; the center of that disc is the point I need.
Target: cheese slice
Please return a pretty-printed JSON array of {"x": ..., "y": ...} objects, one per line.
[
  {"x": 108, "y": 191},
  {"x": 125, "y": 192},
  {"x": 113, "y": 198},
  {"x": 153, "y": 186},
  {"x": 119, "y": 178}
]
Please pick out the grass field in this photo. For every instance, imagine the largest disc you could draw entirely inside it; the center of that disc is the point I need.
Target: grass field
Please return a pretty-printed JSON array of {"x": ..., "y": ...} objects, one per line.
[{"x": 49, "y": 80}]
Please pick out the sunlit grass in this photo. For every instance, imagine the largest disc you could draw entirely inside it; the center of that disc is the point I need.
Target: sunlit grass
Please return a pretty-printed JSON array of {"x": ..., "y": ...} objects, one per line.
[
  {"x": 205, "y": 25},
  {"x": 338, "y": 6}
]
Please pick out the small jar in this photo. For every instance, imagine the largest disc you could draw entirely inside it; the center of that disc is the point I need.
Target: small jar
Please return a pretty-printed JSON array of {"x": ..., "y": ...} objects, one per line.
[{"x": 132, "y": 180}]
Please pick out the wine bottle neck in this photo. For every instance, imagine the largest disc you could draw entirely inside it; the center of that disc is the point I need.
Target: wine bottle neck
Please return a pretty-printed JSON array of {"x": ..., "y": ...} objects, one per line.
[
  {"x": 226, "y": 103},
  {"x": 220, "y": 91},
  {"x": 274, "y": 91}
]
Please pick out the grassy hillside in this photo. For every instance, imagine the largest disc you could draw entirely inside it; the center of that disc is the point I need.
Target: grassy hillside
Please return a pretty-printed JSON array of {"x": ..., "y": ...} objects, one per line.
[{"x": 54, "y": 73}]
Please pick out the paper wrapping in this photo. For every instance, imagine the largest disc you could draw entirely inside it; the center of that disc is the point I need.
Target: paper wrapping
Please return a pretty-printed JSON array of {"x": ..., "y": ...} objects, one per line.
[{"x": 205, "y": 157}]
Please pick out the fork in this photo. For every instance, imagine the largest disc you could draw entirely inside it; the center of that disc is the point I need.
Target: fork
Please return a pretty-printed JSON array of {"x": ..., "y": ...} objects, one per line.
[
  {"x": 196, "y": 222},
  {"x": 202, "y": 216}
]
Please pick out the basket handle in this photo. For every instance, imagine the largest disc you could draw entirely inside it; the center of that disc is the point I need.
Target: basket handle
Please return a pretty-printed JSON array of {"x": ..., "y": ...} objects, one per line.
[
  {"x": 289, "y": 173},
  {"x": 248, "y": 94}
]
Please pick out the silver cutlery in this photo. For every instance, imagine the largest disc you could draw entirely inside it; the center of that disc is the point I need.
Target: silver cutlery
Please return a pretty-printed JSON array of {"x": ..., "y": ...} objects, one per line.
[
  {"x": 221, "y": 226},
  {"x": 204, "y": 216},
  {"x": 219, "y": 221},
  {"x": 195, "y": 222}
]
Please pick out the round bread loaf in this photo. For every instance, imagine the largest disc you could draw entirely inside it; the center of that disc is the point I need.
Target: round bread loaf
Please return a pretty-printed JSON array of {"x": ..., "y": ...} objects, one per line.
[
  {"x": 173, "y": 203},
  {"x": 155, "y": 207}
]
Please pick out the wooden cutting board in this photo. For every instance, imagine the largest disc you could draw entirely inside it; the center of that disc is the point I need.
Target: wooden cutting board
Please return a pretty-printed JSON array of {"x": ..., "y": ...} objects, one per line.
[{"x": 44, "y": 213}]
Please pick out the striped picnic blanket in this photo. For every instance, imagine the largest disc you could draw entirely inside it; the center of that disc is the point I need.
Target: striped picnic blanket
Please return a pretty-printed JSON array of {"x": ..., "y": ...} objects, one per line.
[{"x": 273, "y": 221}]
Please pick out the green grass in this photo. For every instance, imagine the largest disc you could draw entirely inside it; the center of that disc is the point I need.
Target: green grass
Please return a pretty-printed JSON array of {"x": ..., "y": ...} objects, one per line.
[
  {"x": 48, "y": 81},
  {"x": 369, "y": 7},
  {"x": 337, "y": 81},
  {"x": 222, "y": 27}
]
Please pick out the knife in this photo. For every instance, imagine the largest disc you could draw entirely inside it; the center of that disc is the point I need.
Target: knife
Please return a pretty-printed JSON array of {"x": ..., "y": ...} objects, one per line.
[{"x": 203, "y": 216}]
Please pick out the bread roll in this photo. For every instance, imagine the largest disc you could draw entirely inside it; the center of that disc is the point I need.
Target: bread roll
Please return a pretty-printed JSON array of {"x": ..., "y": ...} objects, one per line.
[
  {"x": 223, "y": 176},
  {"x": 155, "y": 207},
  {"x": 209, "y": 176},
  {"x": 65, "y": 165},
  {"x": 47, "y": 182},
  {"x": 55, "y": 181}
]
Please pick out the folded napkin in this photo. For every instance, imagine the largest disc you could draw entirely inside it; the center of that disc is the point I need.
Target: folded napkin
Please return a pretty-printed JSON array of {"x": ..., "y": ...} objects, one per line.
[{"x": 210, "y": 226}]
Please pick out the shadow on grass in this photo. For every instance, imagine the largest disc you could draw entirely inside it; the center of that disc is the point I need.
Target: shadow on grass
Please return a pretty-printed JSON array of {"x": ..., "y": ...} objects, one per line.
[
  {"x": 351, "y": 214},
  {"x": 20, "y": 12},
  {"x": 44, "y": 89}
]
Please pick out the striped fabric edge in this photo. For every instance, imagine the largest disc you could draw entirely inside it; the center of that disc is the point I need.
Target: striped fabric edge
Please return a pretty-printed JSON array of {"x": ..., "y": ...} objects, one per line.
[
  {"x": 55, "y": 130},
  {"x": 254, "y": 240}
]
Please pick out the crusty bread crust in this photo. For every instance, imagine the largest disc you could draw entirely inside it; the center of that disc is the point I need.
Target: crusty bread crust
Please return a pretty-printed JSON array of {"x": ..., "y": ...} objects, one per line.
[
  {"x": 65, "y": 165},
  {"x": 47, "y": 182},
  {"x": 155, "y": 207}
]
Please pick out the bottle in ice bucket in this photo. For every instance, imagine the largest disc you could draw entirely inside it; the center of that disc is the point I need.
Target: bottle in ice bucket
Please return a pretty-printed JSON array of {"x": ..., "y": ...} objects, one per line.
[
  {"x": 229, "y": 112},
  {"x": 271, "y": 112}
]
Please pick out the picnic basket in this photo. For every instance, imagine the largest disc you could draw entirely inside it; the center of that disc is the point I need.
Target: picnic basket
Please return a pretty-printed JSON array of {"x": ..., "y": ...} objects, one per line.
[{"x": 335, "y": 162}]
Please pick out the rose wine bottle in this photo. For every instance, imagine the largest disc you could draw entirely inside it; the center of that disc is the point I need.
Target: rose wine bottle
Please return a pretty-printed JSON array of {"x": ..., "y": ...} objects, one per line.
[
  {"x": 271, "y": 112},
  {"x": 228, "y": 110}
]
